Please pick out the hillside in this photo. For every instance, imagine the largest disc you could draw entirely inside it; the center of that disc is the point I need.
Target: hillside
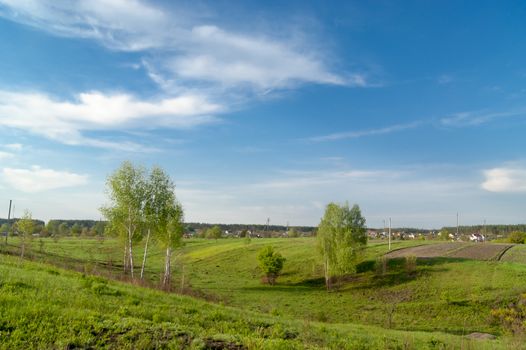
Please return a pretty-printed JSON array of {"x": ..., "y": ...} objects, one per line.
[{"x": 47, "y": 307}]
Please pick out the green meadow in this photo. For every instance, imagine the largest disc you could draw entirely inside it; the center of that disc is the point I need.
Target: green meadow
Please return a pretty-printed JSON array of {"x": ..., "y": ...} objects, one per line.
[{"x": 71, "y": 293}]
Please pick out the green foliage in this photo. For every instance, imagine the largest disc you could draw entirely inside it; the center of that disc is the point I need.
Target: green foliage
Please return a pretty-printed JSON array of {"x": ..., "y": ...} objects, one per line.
[
  {"x": 381, "y": 265},
  {"x": 25, "y": 226},
  {"x": 163, "y": 214},
  {"x": 214, "y": 232},
  {"x": 76, "y": 229},
  {"x": 292, "y": 233},
  {"x": 410, "y": 264},
  {"x": 517, "y": 237},
  {"x": 271, "y": 263},
  {"x": 5, "y": 228},
  {"x": 63, "y": 229},
  {"x": 444, "y": 235},
  {"x": 341, "y": 238},
  {"x": 513, "y": 317},
  {"x": 126, "y": 189}
]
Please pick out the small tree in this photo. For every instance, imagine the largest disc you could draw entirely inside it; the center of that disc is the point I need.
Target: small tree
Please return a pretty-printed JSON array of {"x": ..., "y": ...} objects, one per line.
[
  {"x": 25, "y": 227},
  {"x": 444, "y": 235},
  {"x": 292, "y": 233},
  {"x": 63, "y": 229},
  {"x": 341, "y": 238},
  {"x": 271, "y": 263},
  {"x": 5, "y": 228},
  {"x": 76, "y": 229},
  {"x": 126, "y": 188},
  {"x": 171, "y": 238},
  {"x": 214, "y": 232}
]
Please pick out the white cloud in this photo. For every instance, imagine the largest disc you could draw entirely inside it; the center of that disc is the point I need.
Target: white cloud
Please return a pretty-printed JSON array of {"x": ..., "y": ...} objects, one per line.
[
  {"x": 411, "y": 197},
  {"x": 119, "y": 24},
  {"x": 14, "y": 146},
  {"x": 64, "y": 121},
  {"x": 5, "y": 155},
  {"x": 188, "y": 51},
  {"x": 474, "y": 118},
  {"x": 37, "y": 179},
  {"x": 505, "y": 180},
  {"x": 233, "y": 59},
  {"x": 362, "y": 133}
]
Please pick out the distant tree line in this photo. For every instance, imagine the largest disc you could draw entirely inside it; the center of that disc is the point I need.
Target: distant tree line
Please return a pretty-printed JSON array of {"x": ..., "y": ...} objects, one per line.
[
  {"x": 9, "y": 226},
  {"x": 198, "y": 227},
  {"x": 92, "y": 228}
]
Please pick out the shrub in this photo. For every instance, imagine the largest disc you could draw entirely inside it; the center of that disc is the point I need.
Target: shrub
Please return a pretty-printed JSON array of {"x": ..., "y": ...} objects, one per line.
[
  {"x": 292, "y": 233},
  {"x": 381, "y": 265},
  {"x": 271, "y": 263},
  {"x": 517, "y": 237},
  {"x": 512, "y": 318},
  {"x": 214, "y": 232},
  {"x": 410, "y": 264}
]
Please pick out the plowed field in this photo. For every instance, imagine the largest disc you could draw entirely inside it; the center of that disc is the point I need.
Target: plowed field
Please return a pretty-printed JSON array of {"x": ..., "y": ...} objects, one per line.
[{"x": 475, "y": 251}]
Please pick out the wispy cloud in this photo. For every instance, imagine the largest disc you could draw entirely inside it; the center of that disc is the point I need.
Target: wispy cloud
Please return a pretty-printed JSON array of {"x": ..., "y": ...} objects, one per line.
[
  {"x": 505, "y": 179},
  {"x": 37, "y": 179},
  {"x": 369, "y": 132},
  {"x": 6, "y": 155},
  {"x": 14, "y": 146},
  {"x": 64, "y": 121},
  {"x": 128, "y": 25},
  {"x": 299, "y": 179},
  {"x": 474, "y": 118},
  {"x": 445, "y": 79},
  {"x": 187, "y": 50}
]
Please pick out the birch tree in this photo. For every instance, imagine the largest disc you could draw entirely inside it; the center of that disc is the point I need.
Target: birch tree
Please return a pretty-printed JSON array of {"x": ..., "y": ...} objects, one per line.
[
  {"x": 25, "y": 227},
  {"x": 171, "y": 238},
  {"x": 341, "y": 238},
  {"x": 160, "y": 199},
  {"x": 126, "y": 188}
]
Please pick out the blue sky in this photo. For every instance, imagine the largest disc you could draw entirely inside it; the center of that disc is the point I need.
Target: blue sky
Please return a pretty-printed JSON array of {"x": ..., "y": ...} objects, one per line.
[{"x": 414, "y": 110}]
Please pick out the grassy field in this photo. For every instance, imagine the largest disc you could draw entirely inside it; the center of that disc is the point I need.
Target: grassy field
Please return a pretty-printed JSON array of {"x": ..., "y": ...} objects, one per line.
[
  {"x": 443, "y": 294},
  {"x": 516, "y": 254},
  {"x": 47, "y": 307}
]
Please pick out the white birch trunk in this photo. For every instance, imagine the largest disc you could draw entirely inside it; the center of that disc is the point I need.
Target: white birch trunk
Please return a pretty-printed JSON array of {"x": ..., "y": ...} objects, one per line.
[
  {"x": 130, "y": 253},
  {"x": 167, "y": 267},
  {"x": 145, "y": 252},
  {"x": 125, "y": 262}
]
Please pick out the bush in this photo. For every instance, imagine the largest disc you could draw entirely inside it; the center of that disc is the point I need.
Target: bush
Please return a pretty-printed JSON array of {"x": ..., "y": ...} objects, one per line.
[
  {"x": 410, "y": 264},
  {"x": 271, "y": 263},
  {"x": 292, "y": 233},
  {"x": 214, "y": 232},
  {"x": 517, "y": 237},
  {"x": 381, "y": 265},
  {"x": 512, "y": 318}
]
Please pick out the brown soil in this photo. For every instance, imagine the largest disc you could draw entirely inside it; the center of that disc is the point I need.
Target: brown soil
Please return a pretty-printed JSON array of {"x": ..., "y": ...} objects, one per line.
[{"x": 461, "y": 250}]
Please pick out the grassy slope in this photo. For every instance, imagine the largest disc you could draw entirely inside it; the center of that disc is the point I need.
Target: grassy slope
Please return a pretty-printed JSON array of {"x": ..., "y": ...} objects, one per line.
[
  {"x": 46, "y": 307},
  {"x": 452, "y": 295},
  {"x": 516, "y": 254}
]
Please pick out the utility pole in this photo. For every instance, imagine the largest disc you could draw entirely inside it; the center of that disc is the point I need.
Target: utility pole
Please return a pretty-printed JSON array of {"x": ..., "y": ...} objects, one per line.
[
  {"x": 457, "y": 224},
  {"x": 389, "y": 233},
  {"x": 8, "y": 220}
]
